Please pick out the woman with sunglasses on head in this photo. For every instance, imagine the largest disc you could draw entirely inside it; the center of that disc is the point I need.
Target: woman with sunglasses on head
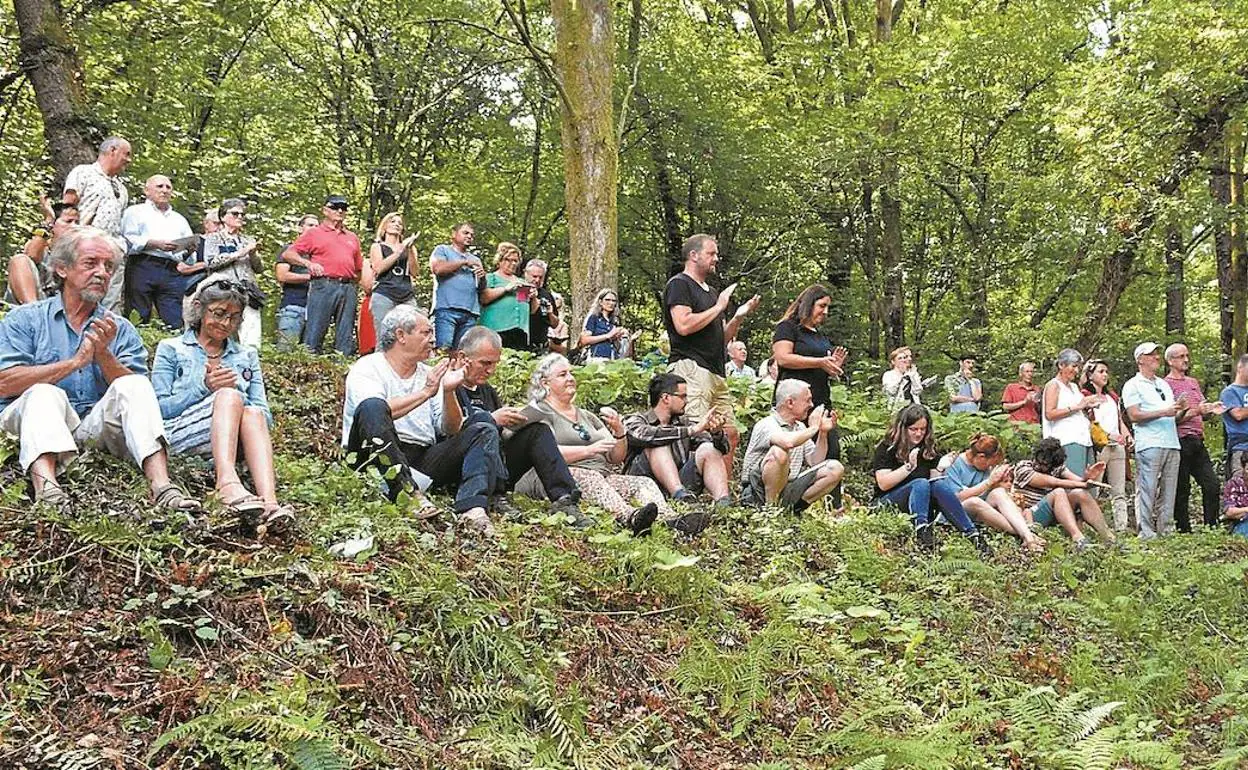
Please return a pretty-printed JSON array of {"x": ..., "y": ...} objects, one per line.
[
  {"x": 590, "y": 446},
  {"x": 212, "y": 399},
  {"x": 393, "y": 261},
  {"x": 1063, "y": 413},
  {"x": 601, "y": 334},
  {"x": 230, "y": 255},
  {"x": 1108, "y": 416}
]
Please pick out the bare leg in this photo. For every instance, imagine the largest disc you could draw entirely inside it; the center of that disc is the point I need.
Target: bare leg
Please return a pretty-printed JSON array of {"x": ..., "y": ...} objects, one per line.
[
  {"x": 775, "y": 473},
  {"x": 227, "y": 414},
  {"x": 734, "y": 437},
  {"x": 983, "y": 512},
  {"x": 711, "y": 468},
  {"x": 43, "y": 470},
  {"x": 826, "y": 479},
  {"x": 1091, "y": 513},
  {"x": 258, "y": 451},
  {"x": 1003, "y": 502},
  {"x": 156, "y": 469},
  {"x": 663, "y": 468},
  {"x": 1065, "y": 515}
]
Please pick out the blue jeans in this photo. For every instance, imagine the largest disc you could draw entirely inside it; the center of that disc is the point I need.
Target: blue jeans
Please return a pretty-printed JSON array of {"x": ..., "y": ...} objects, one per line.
[
  {"x": 290, "y": 322},
  {"x": 918, "y": 495},
  {"x": 331, "y": 301},
  {"x": 449, "y": 325}
]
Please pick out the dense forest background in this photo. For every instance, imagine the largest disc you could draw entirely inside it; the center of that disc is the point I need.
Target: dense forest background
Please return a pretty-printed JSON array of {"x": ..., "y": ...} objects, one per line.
[{"x": 1009, "y": 177}]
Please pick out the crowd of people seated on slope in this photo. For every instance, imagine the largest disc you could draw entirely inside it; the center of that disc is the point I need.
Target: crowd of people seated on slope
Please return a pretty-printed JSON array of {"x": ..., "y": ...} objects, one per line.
[{"x": 73, "y": 370}]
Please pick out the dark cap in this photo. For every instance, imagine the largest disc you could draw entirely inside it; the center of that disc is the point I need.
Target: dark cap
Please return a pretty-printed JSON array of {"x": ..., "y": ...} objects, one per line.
[{"x": 336, "y": 202}]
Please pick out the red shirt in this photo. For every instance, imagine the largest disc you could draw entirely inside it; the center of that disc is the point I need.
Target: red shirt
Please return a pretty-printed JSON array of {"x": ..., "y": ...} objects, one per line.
[
  {"x": 338, "y": 251},
  {"x": 1028, "y": 412}
]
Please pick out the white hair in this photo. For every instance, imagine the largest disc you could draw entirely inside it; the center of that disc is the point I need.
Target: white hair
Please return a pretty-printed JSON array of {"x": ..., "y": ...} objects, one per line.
[
  {"x": 736, "y": 344},
  {"x": 537, "y": 388},
  {"x": 786, "y": 389},
  {"x": 403, "y": 317},
  {"x": 1173, "y": 350},
  {"x": 478, "y": 338}
]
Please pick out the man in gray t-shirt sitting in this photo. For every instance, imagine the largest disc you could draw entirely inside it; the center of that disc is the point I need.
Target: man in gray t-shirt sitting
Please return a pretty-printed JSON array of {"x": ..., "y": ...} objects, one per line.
[{"x": 786, "y": 460}]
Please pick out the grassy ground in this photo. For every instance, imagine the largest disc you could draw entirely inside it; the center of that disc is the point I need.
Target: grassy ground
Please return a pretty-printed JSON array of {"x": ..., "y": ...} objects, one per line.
[{"x": 770, "y": 641}]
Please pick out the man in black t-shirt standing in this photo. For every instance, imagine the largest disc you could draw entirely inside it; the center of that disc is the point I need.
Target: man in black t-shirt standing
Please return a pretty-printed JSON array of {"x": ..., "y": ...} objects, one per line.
[{"x": 694, "y": 317}]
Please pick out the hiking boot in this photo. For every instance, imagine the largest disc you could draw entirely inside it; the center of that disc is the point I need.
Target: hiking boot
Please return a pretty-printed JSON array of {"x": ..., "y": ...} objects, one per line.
[
  {"x": 691, "y": 523},
  {"x": 570, "y": 506},
  {"x": 925, "y": 534},
  {"x": 641, "y": 519},
  {"x": 506, "y": 509},
  {"x": 980, "y": 541}
]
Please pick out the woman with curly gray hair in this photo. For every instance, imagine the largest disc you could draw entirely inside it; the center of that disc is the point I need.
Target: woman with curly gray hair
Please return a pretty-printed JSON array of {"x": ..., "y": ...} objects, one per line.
[{"x": 591, "y": 446}]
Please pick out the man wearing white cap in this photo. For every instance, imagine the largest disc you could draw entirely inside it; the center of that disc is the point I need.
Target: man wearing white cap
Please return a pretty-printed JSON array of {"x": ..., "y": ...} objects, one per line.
[{"x": 1152, "y": 407}]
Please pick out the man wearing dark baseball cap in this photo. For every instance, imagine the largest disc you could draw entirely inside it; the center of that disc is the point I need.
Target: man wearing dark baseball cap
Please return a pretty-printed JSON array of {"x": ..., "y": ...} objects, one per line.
[{"x": 332, "y": 255}]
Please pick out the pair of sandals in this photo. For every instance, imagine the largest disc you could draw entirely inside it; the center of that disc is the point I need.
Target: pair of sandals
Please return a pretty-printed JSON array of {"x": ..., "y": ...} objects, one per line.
[
  {"x": 253, "y": 510},
  {"x": 169, "y": 498}
]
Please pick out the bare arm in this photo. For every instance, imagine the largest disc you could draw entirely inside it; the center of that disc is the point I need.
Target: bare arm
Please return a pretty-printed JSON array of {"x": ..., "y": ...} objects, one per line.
[
  {"x": 286, "y": 275},
  {"x": 490, "y": 296},
  {"x": 15, "y": 380},
  {"x": 688, "y": 322},
  {"x": 379, "y": 263},
  {"x": 782, "y": 352},
  {"x": 22, "y": 279}
]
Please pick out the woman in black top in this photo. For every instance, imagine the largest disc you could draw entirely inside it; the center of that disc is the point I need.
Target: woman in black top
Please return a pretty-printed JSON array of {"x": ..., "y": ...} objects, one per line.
[
  {"x": 902, "y": 467},
  {"x": 393, "y": 262},
  {"x": 801, "y": 351}
]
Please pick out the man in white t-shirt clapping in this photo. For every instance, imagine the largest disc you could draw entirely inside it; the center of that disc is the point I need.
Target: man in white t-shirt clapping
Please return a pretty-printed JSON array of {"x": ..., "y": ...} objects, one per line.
[{"x": 400, "y": 413}]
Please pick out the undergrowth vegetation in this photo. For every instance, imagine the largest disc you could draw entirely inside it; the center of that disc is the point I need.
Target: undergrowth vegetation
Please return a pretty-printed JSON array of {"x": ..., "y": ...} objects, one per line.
[{"x": 771, "y": 641}]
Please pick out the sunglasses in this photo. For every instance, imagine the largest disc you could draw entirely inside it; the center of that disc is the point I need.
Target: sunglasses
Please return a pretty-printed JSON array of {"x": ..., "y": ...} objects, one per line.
[
  {"x": 336, "y": 206},
  {"x": 1160, "y": 392},
  {"x": 239, "y": 214},
  {"x": 581, "y": 431}
]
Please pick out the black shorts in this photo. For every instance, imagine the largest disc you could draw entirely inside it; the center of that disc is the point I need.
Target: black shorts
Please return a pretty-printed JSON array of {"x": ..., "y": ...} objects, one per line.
[{"x": 792, "y": 493}]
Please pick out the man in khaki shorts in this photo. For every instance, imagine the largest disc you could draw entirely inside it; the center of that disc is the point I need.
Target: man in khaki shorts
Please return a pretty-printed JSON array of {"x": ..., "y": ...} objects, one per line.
[{"x": 694, "y": 317}]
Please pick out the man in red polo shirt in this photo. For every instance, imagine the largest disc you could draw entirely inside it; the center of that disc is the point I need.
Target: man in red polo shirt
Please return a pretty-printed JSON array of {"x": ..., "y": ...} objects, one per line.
[{"x": 331, "y": 253}]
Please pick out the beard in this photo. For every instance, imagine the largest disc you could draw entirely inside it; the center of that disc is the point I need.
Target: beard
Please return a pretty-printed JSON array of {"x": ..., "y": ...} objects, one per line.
[{"x": 94, "y": 296}]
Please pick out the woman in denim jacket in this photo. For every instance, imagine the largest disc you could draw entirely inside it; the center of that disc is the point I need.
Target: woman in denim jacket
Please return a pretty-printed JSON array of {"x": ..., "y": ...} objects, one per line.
[{"x": 211, "y": 396}]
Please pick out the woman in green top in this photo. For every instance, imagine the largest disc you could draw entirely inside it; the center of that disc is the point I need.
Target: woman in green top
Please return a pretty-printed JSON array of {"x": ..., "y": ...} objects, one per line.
[{"x": 508, "y": 300}]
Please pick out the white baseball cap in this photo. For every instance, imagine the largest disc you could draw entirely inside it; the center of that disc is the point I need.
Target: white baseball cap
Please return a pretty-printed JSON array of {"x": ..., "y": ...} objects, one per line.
[{"x": 1144, "y": 348}]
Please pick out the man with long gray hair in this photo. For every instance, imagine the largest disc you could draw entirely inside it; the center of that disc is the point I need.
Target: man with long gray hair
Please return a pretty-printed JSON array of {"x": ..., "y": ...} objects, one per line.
[
  {"x": 73, "y": 373},
  {"x": 403, "y": 417}
]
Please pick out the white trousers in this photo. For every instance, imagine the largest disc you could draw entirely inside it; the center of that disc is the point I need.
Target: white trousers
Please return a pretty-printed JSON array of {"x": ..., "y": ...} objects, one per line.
[{"x": 126, "y": 421}]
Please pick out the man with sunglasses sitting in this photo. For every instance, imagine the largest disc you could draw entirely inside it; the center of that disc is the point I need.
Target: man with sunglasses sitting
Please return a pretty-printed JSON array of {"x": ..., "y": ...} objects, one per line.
[
  {"x": 332, "y": 255},
  {"x": 683, "y": 458},
  {"x": 1153, "y": 409}
]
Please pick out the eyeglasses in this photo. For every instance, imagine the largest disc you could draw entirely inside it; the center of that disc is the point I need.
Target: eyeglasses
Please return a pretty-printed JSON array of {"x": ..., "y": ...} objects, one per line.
[
  {"x": 678, "y": 395},
  {"x": 581, "y": 431},
  {"x": 220, "y": 315},
  {"x": 239, "y": 214}
]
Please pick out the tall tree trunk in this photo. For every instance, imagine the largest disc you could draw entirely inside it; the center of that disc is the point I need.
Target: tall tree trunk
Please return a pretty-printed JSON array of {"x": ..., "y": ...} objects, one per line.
[
  {"x": 894, "y": 313},
  {"x": 1220, "y": 192},
  {"x": 1239, "y": 248},
  {"x": 49, "y": 57},
  {"x": 1176, "y": 317},
  {"x": 584, "y": 63}
]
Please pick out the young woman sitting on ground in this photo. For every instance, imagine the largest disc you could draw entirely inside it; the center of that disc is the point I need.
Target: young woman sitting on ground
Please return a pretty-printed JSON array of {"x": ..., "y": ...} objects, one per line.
[
  {"x": 212, "y": 399},
  {"x": 1056, "y": 495},
  {"x": 983, "y": 485},
  {"x": 903, "y": 466}
]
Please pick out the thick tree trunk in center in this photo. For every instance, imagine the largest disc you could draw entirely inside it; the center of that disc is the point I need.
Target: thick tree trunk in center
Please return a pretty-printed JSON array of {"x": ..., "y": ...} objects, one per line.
[
  {"x": 584, "y": 61},
  {"x": 48, "y": 56}
]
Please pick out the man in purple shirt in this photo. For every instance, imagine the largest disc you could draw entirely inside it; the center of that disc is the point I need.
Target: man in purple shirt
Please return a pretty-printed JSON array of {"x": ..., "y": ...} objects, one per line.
[{"x": 1194, "y": 462}]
